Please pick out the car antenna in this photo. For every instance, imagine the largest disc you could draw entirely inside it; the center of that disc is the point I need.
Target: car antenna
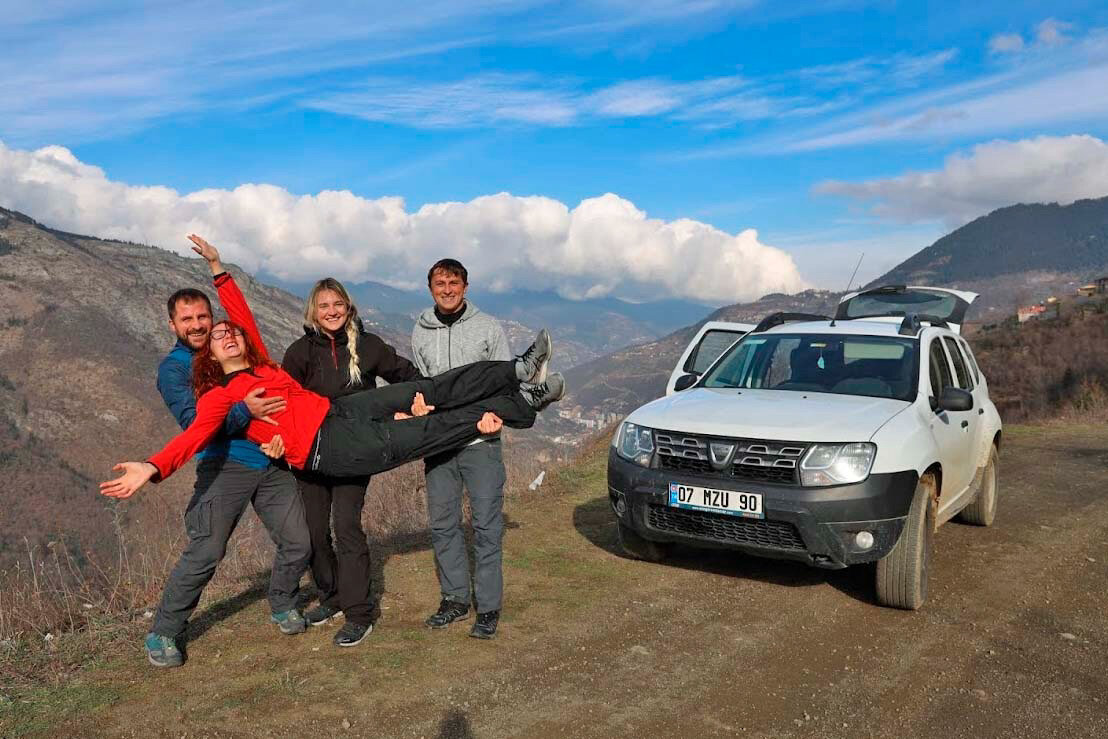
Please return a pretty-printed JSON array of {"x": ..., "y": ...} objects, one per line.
[{"x": 851, "y": 280}]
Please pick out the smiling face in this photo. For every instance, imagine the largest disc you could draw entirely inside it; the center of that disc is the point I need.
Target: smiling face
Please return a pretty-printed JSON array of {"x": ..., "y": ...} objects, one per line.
[
  {"x": 448, "y": 291},
  {"x": 228, "y": 344},
  {"x": 191, "y": 322},
  {"x": 331, "y": 311}
]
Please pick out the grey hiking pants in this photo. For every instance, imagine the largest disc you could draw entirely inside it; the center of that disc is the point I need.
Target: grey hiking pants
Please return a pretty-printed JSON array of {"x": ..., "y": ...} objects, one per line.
[
  {"x": 478, "y": 468},
  {"x": 223, "y": 490}
]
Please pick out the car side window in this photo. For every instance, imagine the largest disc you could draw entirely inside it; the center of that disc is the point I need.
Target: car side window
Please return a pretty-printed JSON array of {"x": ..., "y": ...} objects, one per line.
[
  {"x": 940, "y": 370},
  {"x": 971, "y": 361},
  {"x": 712, "y": 344},
  {"x": 960, "y": 369}
]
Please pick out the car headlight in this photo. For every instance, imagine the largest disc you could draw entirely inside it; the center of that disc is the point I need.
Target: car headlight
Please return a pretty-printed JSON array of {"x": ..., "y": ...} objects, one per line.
[
  {"x": 635, "y": 443},
  {"x": 837, "y": 464}
]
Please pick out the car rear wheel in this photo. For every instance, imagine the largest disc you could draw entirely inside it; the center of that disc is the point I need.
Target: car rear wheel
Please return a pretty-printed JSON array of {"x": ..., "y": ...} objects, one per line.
[
  {"x": 982, "y": 511},
  {"x": 902, "y": 573},
  {"x": 638, "y": 547}
]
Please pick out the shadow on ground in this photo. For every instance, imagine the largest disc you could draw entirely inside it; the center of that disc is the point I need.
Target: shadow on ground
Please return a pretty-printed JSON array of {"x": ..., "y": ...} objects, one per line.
[
  {"x": 454, "y": 725},
  {"x": 595, "y": 521}
]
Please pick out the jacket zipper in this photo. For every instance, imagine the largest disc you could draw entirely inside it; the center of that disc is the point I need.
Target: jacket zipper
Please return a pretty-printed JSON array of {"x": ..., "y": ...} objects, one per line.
[{"x": 334, "y": 355}]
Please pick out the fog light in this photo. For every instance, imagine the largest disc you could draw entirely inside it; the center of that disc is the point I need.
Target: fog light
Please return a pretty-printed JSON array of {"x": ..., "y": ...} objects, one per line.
[
  {"x": 863, "y": 540},
  {"x": 620, "y": 505}
]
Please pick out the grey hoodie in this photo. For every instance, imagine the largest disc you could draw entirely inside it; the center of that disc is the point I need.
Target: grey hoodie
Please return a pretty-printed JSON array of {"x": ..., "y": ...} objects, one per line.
[{"x": 474, "y": 337}]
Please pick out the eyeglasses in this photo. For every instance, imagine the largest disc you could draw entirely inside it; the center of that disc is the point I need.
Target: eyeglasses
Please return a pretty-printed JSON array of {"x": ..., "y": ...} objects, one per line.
[{"x": 221, "y": 333}]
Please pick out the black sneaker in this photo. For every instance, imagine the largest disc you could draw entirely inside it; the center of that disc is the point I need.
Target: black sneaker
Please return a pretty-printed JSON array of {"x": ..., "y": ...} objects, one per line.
[
  {"x": 449, "y": 612},
  {"x": 485, "y": 625},
  {"x": 531, "y": 365},
  {"x": 352, "y": 634},
  {"x": 321, "y": 614},
  {"x": 541, "y": 395}
]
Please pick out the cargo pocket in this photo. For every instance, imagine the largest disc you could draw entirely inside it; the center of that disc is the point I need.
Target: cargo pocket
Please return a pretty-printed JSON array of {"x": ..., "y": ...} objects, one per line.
[{"x": 198, "y": 520}]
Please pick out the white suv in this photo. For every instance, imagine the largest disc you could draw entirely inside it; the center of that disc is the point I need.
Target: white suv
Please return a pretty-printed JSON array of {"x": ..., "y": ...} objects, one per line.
[{"x": 829, "y": 441}]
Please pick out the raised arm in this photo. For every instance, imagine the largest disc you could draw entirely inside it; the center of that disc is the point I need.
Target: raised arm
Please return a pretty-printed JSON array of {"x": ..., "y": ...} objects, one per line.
[{"x": 230, "y": 296}]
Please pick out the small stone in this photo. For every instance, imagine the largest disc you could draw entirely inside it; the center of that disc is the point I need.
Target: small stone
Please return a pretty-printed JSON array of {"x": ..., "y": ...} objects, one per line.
[
  {"x": 315, "y": 649},
  {"x": 346, "y": 725},
  {"x": 1068, "y": 636},
  {"x": 639, "y": 649},
  {"x": 807, "y": 717},
  {"x": 980, "y": 694},
  {"x": 1090, "y": 559},
  {"x": 87, "y": 606},
  {"x": 148, "y": 614}
]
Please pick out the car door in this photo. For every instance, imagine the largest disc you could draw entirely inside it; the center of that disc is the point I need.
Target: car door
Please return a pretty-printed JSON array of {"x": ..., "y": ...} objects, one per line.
[
  {"x": 928, "y": 303},
  {"x": 982, "y": 439},
  {"x": 708, "y": 345},
  {"x": 950, "y": 430}
]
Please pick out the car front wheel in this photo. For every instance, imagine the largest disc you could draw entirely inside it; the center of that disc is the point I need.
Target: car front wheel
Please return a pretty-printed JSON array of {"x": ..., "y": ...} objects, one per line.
[
  {"x": 902, "y": 573},
  {"x": 638, "y": 547}
]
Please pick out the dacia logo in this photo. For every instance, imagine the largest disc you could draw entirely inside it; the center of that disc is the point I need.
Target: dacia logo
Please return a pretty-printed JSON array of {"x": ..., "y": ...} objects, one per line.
[{"x": 720, "y": 454}]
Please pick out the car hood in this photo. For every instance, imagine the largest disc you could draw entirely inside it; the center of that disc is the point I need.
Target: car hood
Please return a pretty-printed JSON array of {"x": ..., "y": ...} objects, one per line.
[{"x": 782, "y": 415}]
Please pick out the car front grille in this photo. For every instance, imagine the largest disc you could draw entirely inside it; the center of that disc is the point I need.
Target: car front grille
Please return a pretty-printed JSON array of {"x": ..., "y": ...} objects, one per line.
[
  {"x": 727, "y": 529},
  {"x": 744, "y": 459}
]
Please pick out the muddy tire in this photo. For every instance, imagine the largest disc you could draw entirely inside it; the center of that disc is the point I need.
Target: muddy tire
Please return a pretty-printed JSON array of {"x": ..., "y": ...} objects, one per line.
[
  {"x": 639, "y": 548},
  {"x": 982, "y": 511},
  {"x": 902, "y": 574}
]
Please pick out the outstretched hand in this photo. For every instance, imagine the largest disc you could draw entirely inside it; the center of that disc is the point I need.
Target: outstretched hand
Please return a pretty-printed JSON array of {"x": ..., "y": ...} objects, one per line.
[
  {"x": 262, "y": 408},
  {"x": 419, "y": 406},
  {"x": 135, "y": 475},
  {"x": 490, "y": 423},
  {"x": 209, "y": 252},
  {"x": 275, "y": 447}
]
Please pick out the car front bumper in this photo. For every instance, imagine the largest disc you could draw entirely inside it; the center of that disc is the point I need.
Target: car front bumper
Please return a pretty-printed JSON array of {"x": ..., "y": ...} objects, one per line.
[{"x": 812, "y": 525}]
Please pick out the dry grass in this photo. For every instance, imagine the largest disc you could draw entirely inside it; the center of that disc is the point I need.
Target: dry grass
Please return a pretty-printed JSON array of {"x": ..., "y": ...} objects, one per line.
[{"x": 59, "y": 608}]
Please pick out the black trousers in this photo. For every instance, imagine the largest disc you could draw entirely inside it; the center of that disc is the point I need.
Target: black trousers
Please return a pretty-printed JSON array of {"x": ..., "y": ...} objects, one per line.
[
  {"x": 341, "y": 570},
  {"x": 359, "y": 437}
]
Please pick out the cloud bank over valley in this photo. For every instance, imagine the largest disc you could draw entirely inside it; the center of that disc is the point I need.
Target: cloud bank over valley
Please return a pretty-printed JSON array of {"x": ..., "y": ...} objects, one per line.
[{"x": 603, "y": 246}]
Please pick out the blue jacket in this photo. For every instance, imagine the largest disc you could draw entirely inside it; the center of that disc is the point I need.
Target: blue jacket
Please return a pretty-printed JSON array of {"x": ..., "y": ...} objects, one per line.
[{"x": 175, "y": 385}]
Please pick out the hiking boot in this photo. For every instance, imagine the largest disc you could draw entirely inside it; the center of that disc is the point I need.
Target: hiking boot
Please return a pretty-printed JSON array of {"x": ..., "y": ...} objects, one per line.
[
  {"x": 539, "y": 396},
  {"x": 162, "y": 651},
  {"x": 485, "y": 625},
  {"x": 449, "y": 612},
  {"x": 351, "y": 634},
  {"x": 531, "y": 365},
  {"x": 321, "y": 614},
  {"x": 290, "y": 622}
]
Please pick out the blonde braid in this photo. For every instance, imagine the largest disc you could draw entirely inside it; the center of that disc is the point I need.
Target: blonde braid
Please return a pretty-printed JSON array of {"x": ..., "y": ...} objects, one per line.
[{"x": 352, "y": 345}]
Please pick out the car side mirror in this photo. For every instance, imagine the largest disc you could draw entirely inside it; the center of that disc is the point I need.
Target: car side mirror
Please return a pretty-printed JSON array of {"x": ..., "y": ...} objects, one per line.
[
  {"x": 684, "y": 382},
  {"x": 956, "y": 399}
]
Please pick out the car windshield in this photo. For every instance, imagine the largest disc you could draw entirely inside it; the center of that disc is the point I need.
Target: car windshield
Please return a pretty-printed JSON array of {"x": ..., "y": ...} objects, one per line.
[{"x": 874, "y": 366}]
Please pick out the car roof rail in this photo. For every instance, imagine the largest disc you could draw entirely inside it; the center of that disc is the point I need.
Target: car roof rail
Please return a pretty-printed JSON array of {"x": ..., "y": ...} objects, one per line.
[
  {"x": 913, "y": 323},
  {"x": 777, "y": 319}
]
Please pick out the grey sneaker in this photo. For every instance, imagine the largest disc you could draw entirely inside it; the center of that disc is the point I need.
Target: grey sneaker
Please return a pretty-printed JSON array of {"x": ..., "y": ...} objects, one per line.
[
  {"x": 539, "y": 396},
  {"x": 531, "y": 365},
  {"x": 321, "y": 614},
  {"x": 290, "y": 622},
  {"x": 162, "y": 651},
  {"x": 352, "y": 634}
]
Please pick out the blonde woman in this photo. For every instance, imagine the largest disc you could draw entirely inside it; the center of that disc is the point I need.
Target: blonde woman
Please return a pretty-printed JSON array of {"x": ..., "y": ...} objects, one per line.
[{"x": 336, "y": 356}]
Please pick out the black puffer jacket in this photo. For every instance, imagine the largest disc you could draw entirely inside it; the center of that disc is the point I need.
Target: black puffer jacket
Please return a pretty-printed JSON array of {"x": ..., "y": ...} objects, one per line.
[{"x": 321, "y": 363}]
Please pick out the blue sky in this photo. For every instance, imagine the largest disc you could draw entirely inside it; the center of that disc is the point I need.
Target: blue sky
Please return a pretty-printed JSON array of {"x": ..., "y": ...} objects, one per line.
[{"x": 829, "y": 127}]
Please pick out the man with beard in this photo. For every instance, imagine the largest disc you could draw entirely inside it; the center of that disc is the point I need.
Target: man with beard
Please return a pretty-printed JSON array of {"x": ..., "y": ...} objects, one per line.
[{"x": 231, "y": 473}]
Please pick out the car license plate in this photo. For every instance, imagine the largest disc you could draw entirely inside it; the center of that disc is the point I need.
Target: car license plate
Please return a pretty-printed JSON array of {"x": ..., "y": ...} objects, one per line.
[{"x": 731, "y": 502}]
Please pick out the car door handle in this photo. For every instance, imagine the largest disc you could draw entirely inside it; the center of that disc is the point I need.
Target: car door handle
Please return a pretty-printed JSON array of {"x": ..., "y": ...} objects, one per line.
[
  {"x": 965, "y": 424},
  {"x": 980, "y": 411}
]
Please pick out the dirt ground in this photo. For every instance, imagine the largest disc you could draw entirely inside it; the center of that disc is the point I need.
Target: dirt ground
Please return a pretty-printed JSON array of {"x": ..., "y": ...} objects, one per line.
[{"x": 1013, "y": 641}]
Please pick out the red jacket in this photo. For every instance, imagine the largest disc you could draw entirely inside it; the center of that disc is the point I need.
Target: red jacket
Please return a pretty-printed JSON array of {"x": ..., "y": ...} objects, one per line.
[{"x": 298, "y": 424}]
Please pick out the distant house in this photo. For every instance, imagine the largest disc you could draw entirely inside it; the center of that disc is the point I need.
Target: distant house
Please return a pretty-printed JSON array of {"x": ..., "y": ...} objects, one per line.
[
  {"x": 1029, "y": 312},
  {"x": 1099, "y": 286}
]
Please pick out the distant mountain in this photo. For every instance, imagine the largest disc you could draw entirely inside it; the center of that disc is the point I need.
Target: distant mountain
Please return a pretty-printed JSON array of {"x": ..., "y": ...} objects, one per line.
[{"x": 584, "y": 329}]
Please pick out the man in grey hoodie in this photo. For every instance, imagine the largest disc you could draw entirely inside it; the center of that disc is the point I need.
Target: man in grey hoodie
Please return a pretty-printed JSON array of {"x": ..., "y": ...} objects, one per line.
[{"x": 450, "y": 334}]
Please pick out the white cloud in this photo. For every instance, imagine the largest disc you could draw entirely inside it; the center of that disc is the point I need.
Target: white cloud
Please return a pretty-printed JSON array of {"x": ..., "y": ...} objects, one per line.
[
  {"x": 1006, "y": 43},
  {"x": 1040, "y": 170},
  {"x": 1052, "y": 32},
  {"x": 603, "y": 246}
]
